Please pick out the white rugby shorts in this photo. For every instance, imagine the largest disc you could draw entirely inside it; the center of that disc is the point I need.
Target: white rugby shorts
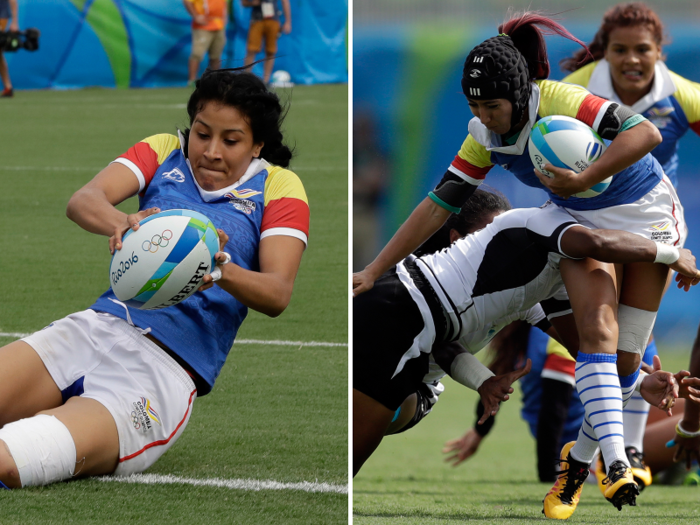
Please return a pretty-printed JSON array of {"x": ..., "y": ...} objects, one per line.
[
  {"x": 148, "y": 394},
  {"x": 657, "y": 216}
]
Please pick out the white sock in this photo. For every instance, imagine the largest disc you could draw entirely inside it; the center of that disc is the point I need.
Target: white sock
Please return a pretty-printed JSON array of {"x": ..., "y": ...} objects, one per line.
[
  {"x": 598, "y": 388},
  {"x": 634, "y": 418},
  {"x": 627, "y": 384},
  {"x": 586, "y": 446}
]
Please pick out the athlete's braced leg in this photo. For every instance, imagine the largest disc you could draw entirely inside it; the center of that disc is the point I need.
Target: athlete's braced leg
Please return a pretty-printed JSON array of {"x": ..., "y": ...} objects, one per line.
[
  {"x": 79, "y": 438},
  {"x": 26, "y": 387},
  {"x": 592, "y": 288}
]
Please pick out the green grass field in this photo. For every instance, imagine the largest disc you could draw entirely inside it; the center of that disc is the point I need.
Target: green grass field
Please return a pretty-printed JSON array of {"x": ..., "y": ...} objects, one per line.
[
  {"x": 407, "y": 482},
  {"x": 278, "y": 413}
]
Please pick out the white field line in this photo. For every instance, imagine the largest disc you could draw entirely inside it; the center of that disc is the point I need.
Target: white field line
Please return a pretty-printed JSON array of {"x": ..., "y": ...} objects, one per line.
[
  {"x": 300, "y": 169},
  {"x": 49, "y": 168},
  {"x": 19, "y": 335},
  {"x": 235, "y": 484},
  {"x": 285, "y": 343}
]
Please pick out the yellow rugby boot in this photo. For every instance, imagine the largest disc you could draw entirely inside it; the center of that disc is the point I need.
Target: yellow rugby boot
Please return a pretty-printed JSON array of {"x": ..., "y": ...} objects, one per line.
[
  {"x": 600, "y": 473},
  {"x": 562, "y": 499},
  {"x": 640, "y": 470},
  {"x": 621, "y": 489}
]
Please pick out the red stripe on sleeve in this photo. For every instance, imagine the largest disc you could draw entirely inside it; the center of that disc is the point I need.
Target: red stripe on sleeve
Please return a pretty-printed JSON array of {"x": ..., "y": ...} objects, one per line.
[
  {"x": 145, "y": 158},
  {"x": 589, "y": 109},
  {"x": 695, "y": 126},
  {"x": 469, "y": 168},
  {"x": 558, "y": 363},
  {"x": 286, "y": 213}
]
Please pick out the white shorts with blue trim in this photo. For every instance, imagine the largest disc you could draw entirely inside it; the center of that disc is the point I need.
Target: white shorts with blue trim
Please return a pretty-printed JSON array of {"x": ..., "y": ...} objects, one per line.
[{"x": 99, "y": 356}]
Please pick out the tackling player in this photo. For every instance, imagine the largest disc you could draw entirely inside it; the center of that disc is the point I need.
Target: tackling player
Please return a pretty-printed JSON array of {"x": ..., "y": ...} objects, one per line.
[
  {"x": 506, "y": 268},
  {"x": 476, "y": 214}
]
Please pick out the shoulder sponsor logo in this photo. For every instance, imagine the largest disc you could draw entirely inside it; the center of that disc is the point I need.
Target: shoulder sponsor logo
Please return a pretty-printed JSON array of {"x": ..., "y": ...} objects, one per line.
[
  {"x": 240, "y": 199},
  {"x": 144, "y": 415},
  {"x": 243, "y": 193},
  {"x": 660, "y": 117},
  {"x": 175, "y": 175}
]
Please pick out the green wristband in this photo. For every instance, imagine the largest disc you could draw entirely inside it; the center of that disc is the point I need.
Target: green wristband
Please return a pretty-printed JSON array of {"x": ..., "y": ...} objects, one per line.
[{"x": 437, "y": 200}]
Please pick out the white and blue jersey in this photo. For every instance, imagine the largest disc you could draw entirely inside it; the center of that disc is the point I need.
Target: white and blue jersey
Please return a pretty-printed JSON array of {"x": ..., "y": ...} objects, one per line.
[
  {"x": 672, "y": 105},
  {"x": 482, "y": 149},
  {"x": 267, "y": 200}
]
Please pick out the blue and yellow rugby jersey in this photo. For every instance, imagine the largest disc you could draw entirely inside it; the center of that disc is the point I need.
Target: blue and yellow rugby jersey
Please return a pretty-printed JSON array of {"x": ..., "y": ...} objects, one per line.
[
  {"x": 482, "y": 149},
  {"x": 267, "y": 200},
  {"x": 672, "y": 105},
  {"x": 549, "y": 360}
]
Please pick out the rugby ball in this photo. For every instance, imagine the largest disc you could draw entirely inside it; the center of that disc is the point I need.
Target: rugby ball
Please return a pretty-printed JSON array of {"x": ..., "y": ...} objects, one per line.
[
  {"x": 281, "y": 79},
  {"x": 566, "y": 143},
  {"x": 163, "y": 262}
]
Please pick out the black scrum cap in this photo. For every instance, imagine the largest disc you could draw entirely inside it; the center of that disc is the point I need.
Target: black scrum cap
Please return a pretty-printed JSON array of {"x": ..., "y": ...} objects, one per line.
[{"x": 496, "y": 69}]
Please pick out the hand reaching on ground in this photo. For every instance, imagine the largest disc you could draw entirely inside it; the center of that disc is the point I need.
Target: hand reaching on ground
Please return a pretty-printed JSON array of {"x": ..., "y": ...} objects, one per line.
[{"x": 463, "y": 448}]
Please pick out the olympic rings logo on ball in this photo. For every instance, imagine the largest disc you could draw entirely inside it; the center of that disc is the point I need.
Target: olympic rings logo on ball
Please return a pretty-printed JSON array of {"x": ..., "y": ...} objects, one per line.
[{"x": 157, "y": 241}]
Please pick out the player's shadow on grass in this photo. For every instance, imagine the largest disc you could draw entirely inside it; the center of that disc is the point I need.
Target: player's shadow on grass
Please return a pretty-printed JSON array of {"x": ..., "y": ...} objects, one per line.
[
  {"x": 448, "y": 517},
  {"x": 453, "y": 483}
]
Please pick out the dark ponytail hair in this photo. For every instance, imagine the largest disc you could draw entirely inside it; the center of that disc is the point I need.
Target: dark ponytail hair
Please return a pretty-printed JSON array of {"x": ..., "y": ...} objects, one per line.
[
  {"x": 529, "y": 39},
  {"x": 247, "y": 93},
  {"x": 622, "y": 15},
  {"x": 479, "y": 204}
]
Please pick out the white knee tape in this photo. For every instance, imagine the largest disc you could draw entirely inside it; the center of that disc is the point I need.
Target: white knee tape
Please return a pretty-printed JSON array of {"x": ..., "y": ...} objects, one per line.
[
  {"x": 635, "y": 328},
  {"x": 42, "y": 448}
]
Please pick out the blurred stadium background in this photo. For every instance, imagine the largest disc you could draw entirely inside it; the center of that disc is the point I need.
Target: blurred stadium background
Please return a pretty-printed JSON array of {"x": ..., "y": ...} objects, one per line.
[
  {"x": 269, "y": 445},
  {"x": 146, "y": 43},
  {"x": 410, "y": 116}
]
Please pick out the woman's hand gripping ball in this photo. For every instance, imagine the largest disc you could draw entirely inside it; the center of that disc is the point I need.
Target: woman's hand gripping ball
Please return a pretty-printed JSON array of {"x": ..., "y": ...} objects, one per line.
[
  {"x": 131, "y": 221},
  {"x": 221, "y": 259}
]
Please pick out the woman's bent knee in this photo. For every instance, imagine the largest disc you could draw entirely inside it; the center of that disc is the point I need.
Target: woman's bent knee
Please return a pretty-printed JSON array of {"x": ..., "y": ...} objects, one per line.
[
  {"x": 9, "y": 475},
  {"x": 598, "y": 329}
]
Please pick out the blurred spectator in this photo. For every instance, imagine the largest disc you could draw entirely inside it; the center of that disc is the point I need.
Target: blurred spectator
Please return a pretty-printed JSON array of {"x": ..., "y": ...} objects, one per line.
[
  {"x": 370, "y": 177},
  {"x": 8, "y": 9},
  {"x": 265, "y": 23},
  {"x": 208, "y": 33}
]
